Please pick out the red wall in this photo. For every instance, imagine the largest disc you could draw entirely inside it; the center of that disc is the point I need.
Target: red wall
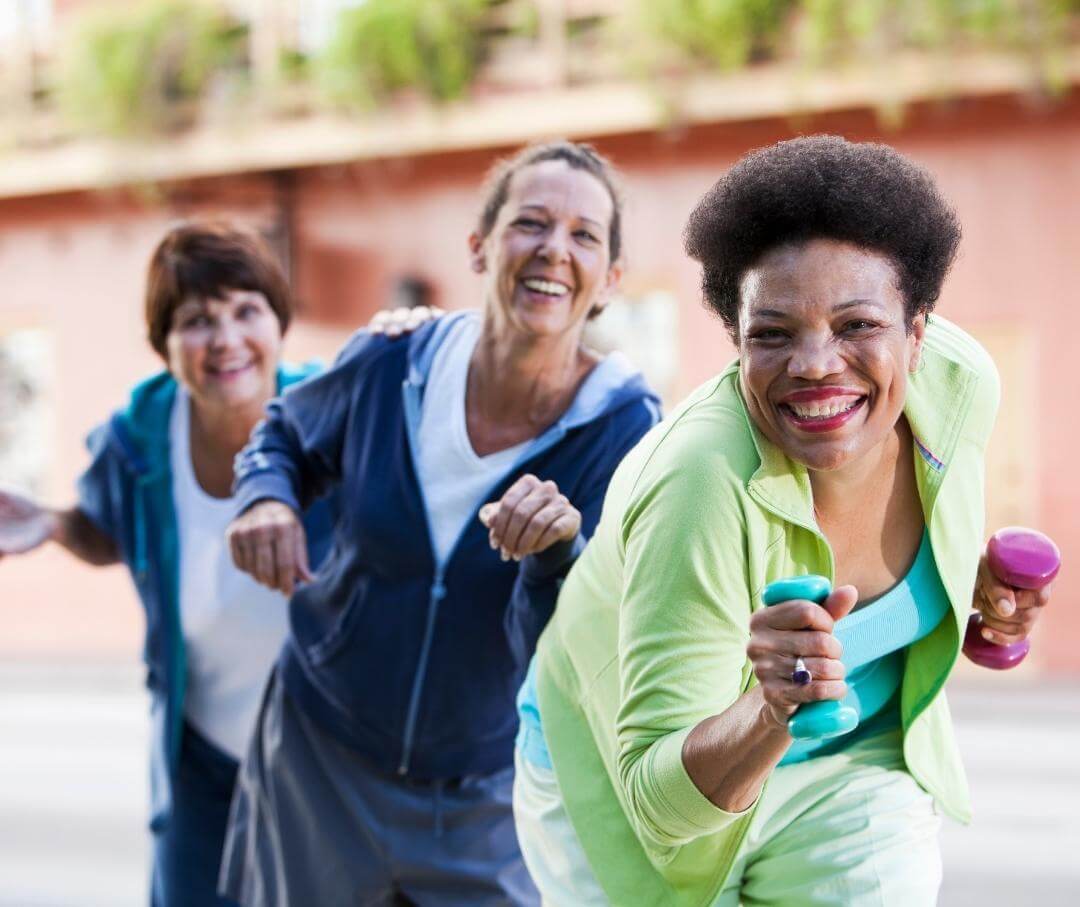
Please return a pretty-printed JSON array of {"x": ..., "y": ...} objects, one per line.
[{"x": 75, "y": 264}]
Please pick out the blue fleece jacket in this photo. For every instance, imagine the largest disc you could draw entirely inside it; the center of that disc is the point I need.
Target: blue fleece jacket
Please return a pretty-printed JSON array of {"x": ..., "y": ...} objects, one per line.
[
  {"x": 127, "y": 493},
  {"x": 415, "y": 663}
]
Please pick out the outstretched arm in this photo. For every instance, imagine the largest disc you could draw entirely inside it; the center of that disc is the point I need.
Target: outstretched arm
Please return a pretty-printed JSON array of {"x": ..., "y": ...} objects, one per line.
[{"x": 25, "y": 525}]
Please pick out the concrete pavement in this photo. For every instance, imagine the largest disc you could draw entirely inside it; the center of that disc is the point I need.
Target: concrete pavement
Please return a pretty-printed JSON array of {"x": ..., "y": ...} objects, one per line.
[{"x": 73, "y": 744}]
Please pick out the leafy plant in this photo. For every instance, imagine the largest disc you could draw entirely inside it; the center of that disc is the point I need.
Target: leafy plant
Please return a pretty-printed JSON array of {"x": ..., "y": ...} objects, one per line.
[
  {"x": 138, "y": 69},
  {"x": 721, "y": 33},
  {"x": 384, "y": 46}
]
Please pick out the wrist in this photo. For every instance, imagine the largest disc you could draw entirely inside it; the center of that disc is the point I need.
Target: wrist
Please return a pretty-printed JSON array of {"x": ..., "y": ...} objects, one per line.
[
  {"x": 773, "y": 721},
  {"x": 56, "y": 522}
]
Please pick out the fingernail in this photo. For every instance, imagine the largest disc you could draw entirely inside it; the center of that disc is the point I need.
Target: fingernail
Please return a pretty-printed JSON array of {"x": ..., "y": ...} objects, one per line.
[
  {"x": 503, "y": 554},
  {"x": 1005, "y": 607},
  {"x": 988, "y": 635}
]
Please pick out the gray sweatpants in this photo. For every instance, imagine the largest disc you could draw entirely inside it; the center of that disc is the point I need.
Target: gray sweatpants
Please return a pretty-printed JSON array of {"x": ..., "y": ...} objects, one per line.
[{"x": 312, "y": 824}]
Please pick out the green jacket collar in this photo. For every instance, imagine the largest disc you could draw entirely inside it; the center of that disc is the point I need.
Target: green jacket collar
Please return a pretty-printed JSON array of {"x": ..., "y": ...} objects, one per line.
[{"x": 938, "y": 399}]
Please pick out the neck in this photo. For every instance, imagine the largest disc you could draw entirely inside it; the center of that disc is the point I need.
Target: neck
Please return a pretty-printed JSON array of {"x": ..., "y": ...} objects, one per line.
[
  {"x": 514, "y": 378},
  {"x": 838, "y": 491},
  {"x": 224, "y": 432}
]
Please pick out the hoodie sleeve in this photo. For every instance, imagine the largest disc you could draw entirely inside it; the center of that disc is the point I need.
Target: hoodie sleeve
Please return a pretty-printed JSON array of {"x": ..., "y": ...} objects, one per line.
[
  {"x": 294, "y": 455},
  {"x": 541, "y": 575},
  {"x": 99, "y": 489}
]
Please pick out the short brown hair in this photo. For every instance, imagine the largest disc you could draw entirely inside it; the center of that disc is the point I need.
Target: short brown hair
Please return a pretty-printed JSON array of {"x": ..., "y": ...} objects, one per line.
[
  {"x": 576, "y": 155},
  {"x": 206, "y": 259}
]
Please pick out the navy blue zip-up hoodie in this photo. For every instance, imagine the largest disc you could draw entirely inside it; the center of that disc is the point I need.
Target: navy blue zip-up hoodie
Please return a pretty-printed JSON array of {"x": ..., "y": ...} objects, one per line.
[
  {"x": 415, "y": 664},
  {"x": 126, "y": 491}
]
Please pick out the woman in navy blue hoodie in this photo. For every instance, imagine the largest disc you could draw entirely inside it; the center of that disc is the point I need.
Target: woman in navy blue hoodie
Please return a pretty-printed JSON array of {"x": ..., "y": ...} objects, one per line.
[
  {"x": 471, "y": 459},
  {"x": 156, "y": 496}
]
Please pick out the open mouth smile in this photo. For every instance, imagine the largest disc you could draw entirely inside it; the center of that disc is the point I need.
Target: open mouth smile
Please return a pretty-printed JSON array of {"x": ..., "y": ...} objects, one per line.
[
  {"x": 547, "y": 289},
  {"x": 227, "y": 372},
  {"x": 821, "y": 410}
]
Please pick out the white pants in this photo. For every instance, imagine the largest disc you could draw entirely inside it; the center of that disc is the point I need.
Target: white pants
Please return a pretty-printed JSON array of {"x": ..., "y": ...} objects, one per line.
[{"x": 852, "y": 829}]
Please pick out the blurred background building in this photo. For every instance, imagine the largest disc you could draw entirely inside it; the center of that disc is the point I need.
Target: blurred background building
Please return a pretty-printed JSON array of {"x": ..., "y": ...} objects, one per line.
[{"x": 355, "y": 133}]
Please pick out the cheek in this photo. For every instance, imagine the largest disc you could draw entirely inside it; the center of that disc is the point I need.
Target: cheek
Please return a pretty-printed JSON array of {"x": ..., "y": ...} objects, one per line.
[
  {"x": 269, "y": 340},
  {"x": 184, "y": 353}
]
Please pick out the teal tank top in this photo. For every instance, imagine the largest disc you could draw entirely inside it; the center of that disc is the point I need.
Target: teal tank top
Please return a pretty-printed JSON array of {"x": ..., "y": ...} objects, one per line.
[{"x": 875, "y": 638}]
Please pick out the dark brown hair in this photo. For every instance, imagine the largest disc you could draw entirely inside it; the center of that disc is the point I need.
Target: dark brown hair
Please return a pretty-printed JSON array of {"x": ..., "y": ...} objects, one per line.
[
  {"x": 205, "y": 259},
  {"x": 577, "y": 155}
]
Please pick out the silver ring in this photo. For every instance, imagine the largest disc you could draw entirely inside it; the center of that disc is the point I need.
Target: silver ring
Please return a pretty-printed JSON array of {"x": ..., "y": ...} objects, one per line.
[{"x": 801, "y": 675}]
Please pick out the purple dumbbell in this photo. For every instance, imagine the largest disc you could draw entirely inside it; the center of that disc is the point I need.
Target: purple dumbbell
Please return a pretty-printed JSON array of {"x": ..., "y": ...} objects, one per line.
[{"x": 1021, "y": 558}]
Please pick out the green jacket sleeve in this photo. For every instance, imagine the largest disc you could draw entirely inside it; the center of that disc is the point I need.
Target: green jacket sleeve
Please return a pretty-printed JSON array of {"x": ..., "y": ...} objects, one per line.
[{"x": 683, "y": 630}]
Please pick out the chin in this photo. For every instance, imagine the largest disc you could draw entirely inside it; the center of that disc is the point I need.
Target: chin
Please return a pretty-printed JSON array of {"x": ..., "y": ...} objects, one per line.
[{"x": 823, "y": 456}]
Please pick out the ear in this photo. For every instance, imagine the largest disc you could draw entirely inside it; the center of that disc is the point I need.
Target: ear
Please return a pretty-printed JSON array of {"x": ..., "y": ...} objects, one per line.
[
  {"x": 477, "y": 258},
  {"x": 611, "y": 284},
  {"x": 915, "y": 342}
]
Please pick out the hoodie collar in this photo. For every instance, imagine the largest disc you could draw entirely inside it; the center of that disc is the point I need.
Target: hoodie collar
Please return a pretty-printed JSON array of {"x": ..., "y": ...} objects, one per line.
[
  {"x": 140, "y": 431},
  {"x": 614, "y": 381}
]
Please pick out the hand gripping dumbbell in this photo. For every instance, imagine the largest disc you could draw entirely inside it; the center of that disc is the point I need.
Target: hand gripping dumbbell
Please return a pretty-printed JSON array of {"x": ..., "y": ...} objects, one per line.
[
  {"x": 1021, "y": 558},
  {"x": 826, "y": 717}
]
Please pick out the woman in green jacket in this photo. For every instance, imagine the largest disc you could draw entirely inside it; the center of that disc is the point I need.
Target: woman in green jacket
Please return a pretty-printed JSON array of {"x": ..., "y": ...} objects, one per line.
[{"x": 655, "y": 765}]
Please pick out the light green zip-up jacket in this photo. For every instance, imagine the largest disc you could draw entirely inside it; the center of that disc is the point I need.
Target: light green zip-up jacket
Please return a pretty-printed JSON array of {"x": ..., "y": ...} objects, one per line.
[{"x": 649, "y": 636}]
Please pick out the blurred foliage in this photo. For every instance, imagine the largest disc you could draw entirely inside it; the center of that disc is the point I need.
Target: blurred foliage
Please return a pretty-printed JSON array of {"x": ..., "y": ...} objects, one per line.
[
  {"x": 142, "y": 68},
  {"x": 1037, "y": 31},
  {"x": 146, "y": 66},
  {"x": 384, "y": 46},
  {"x": 716, "y": 33},
  {"x": 727, "y": 34}
]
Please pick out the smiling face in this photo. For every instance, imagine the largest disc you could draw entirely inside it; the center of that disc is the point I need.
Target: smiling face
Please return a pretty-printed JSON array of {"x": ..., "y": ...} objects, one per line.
[
  {"x": 225, "y": 351},
  {"x": 547, "y": 258},
  {"x": 825, "y": 350}
]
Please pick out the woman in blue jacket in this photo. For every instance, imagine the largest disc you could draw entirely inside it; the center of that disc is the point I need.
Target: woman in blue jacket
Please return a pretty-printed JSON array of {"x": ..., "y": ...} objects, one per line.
[
  {"x": 381, "y": 769},
  {"x": 156, "y": 496}
]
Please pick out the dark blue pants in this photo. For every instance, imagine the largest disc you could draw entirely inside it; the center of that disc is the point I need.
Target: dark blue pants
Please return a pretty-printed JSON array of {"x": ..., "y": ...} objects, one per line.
[{"x": 187, "y": 850}]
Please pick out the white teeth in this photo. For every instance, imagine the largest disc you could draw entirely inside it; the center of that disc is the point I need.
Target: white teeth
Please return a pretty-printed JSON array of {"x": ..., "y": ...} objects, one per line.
[
  {"x": 823, "y": 409},
  {"x": 547, "y": 287}
]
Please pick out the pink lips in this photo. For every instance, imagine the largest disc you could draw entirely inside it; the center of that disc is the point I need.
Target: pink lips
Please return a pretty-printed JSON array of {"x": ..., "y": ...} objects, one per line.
[
  {"x": 818, "y": 425},
  {"x": 230, "y": 373}
]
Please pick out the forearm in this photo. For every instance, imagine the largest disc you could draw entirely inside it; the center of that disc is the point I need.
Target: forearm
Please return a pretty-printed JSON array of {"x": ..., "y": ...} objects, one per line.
[
  {"x": 75, "y": 531},
  {"x": 729, "y": 756}
]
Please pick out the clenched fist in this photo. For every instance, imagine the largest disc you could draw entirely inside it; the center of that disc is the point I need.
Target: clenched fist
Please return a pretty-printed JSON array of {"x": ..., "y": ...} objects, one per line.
[
  {"x": 268, "y": 541},
  {"x": 531, "y": 516}
]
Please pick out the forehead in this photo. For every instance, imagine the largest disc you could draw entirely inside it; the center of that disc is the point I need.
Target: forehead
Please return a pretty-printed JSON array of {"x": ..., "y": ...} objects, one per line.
[
  {"x": 819, "y": 273},
  {"x": 556, "y": 185}
]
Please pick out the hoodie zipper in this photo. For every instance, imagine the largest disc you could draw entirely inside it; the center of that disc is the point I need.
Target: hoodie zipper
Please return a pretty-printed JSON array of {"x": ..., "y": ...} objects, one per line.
[{"x": 437, "y": 592}]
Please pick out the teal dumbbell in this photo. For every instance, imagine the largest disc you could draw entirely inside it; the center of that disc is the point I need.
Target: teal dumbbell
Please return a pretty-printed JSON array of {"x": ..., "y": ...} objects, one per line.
[{"x": 826, "y": 717}]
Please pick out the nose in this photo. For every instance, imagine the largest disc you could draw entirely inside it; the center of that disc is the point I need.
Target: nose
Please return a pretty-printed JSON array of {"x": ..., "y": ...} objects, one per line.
[
  {"x": 226, "y": 333},
  {"x": 555, "y": 247},
  {"x": 814, "y": 358}
]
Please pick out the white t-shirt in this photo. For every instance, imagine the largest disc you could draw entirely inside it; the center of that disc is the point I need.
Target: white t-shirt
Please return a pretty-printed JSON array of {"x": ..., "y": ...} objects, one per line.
[
  {"x": 233, "y": 627},
  {"x": 455, "y": 480}
]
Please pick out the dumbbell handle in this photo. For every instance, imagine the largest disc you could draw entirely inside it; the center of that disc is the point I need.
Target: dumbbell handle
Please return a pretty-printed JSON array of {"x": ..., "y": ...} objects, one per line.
[
  {"x": 1021, "y": 558},
  {"x": 823, "y": 718}
]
